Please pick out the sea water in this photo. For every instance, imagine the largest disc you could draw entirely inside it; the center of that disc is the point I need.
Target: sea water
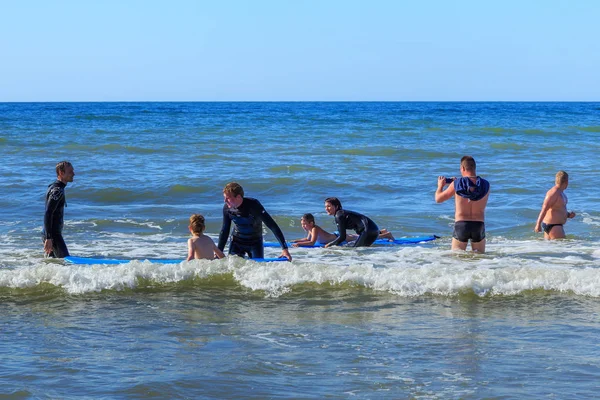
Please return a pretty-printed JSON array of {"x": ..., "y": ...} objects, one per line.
[{"x": 418, "y": 321}]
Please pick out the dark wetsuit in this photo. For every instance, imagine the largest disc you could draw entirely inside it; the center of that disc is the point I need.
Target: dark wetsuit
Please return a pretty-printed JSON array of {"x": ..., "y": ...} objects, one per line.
[
  {"x": 247, "y": 232},
  {"x": 362, "y": 225},
  {"x": 53, "y": 219}
]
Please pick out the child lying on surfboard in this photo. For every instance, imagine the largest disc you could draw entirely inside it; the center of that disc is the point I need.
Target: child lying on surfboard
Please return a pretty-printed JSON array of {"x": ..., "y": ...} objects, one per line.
[{"x": 318, "y": 235}]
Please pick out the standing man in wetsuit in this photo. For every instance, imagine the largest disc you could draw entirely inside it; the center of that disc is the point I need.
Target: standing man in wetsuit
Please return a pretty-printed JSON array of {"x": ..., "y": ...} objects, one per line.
[
  {"x": 554, "y": 212},
  {"x": 366, "y": 229},
  {"x": 54, "y": 244},
  {"x": 471, "y": 194},
  {"x": 247, "y": 215}
]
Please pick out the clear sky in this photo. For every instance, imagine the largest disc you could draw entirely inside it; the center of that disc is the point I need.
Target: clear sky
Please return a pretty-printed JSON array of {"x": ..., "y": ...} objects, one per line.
[{"x": 272, "y": 50}]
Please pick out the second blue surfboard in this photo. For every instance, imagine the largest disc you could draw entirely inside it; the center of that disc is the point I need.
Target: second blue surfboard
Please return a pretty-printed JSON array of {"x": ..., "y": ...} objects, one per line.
[{"x": 378, "y": 242}]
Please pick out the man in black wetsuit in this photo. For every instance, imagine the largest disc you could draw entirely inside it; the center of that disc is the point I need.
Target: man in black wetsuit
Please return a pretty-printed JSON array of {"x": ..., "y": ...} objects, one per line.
[
  {"x": 344, "y": 219},
  {"x": 247, "y": 215},
  {"x": 54, "y": 244}
]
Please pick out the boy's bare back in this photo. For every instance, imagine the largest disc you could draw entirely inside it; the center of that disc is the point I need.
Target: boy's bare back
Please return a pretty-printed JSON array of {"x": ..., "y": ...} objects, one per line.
[{"x": 201, "y": 247}]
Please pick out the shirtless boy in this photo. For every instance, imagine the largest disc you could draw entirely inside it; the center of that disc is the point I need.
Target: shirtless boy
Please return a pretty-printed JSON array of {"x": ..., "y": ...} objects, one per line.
[
  {"x": 315, "y": 234},
  {"x": 471, "y": 194},
  {"x": 201, "y": 246},
  {"x": 554, "y": 212}
]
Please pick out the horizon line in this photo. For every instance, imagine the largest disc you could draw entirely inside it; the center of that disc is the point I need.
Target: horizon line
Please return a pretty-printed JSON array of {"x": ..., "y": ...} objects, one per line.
[{"x": 298, "y": 101}]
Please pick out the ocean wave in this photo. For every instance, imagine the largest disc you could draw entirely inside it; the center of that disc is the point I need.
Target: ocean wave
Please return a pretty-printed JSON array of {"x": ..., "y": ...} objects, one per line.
[
  {"x": 186, "y": 189},
  {"x": 415, "y": 153},
  {"x": 540, "y": 132},
  {"x": 122, "y": 223},
  {"x": 519, "y": 190},
  {"x": 471, "y": 276},
  {"x": 370, "y": 151},
  {"x": 499, "y": 130},
  {"x": 228, "y": 132},
  {"x": 115, "y": 148},
  {"x": 399, "y": 129},
  {"x": 506, "y": 131},
  {"x": 295, "y": 168},
  {"x": 508, "y": 146},
  {"x": 382, "y": 188},
  {"x": 588, "y": 128},
  {"x": 96, "y": 117},
  {"x": 589, "y": 219},
  {"x": 278, "y": 184},
  {"x": 115, "y": 195}
]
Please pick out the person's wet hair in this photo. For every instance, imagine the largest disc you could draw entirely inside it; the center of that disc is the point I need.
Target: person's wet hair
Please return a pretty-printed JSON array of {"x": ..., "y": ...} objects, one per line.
[
  {"x": 562, "y": 177},
  {"x": 334, "y": 201},
  {"x": 468, "y": 163},
  {"x": 197, "y": 224},
  {"x": 62, "y": 167},
  {"x": 234, "y": 189},
  {"x": 308, "y": 217}
]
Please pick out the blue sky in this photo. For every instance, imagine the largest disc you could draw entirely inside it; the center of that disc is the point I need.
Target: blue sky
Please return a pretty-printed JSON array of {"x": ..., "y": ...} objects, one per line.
[{"x": 260, "y": 50}]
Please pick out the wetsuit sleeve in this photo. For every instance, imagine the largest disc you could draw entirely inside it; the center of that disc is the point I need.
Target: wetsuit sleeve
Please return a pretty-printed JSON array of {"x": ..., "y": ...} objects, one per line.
[
  {"x": 271, "y": 224},
  {"x": 52, "y": 204},
  {"x": 340, "y": 221},
  {"x": 225, "y": 228}
]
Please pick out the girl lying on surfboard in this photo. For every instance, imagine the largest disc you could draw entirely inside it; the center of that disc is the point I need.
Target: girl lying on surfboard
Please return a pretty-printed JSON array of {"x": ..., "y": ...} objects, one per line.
[{"x": 319, "y": 236}]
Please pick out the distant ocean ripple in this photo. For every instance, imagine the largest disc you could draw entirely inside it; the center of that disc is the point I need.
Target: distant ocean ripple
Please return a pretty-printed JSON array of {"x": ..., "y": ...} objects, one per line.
[{"x": 395, "y": 322}]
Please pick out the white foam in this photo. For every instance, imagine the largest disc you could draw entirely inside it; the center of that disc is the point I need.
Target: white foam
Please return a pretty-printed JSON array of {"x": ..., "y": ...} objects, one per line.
[
  {"x": 590, "y": 219},
  {"x": 138, "y": 223},
  {"x": 9, "y": 223},
  {"x": 76, "y": 279},
  {"x": 508, "y": 268}
]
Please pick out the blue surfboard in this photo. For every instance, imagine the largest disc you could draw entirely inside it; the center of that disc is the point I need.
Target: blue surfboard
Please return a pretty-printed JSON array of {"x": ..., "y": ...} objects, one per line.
[
  {"x": 92, "y": 260},
  {"x": 378, "y": 242}
]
